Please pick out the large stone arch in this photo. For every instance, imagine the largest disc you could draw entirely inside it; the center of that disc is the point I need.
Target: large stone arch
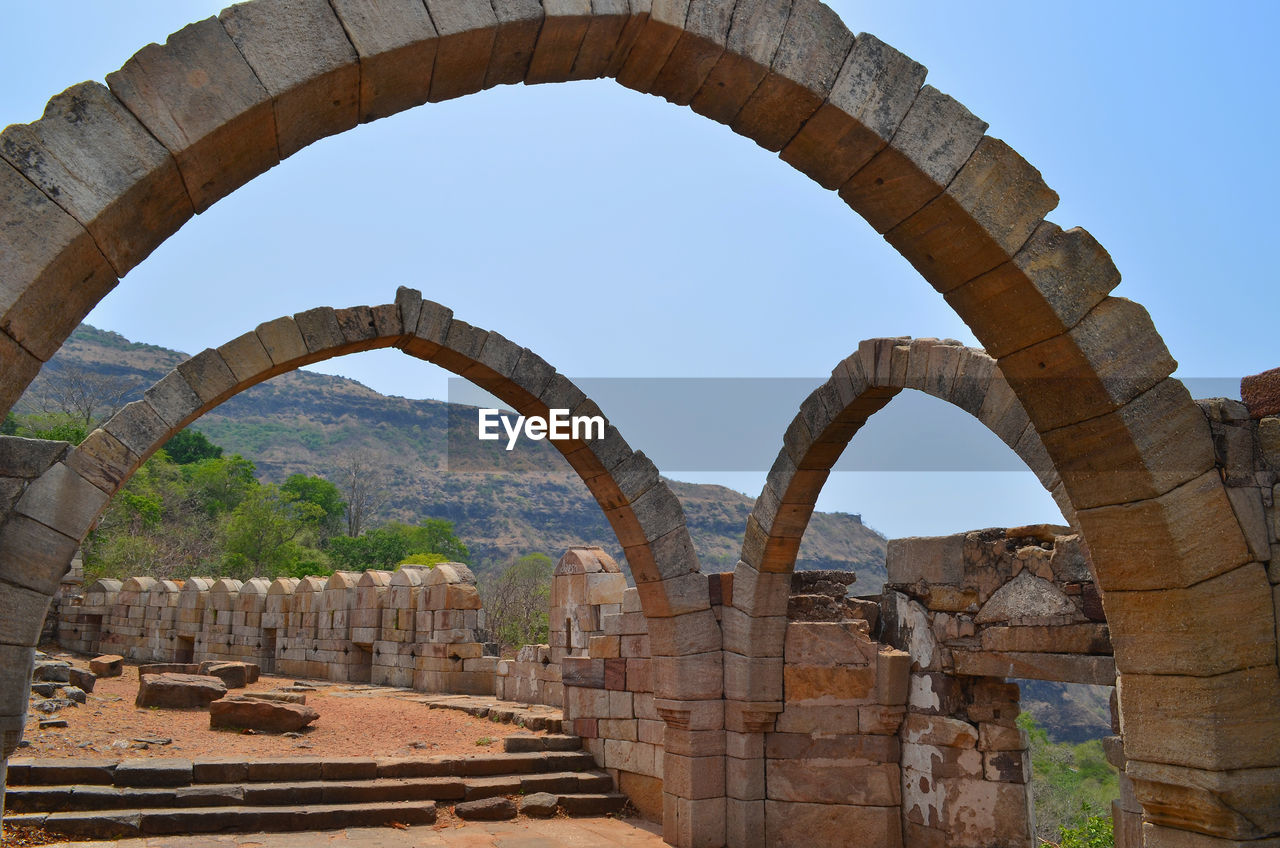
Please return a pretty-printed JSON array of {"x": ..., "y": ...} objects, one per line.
[
  {"x": 828, "y": 419},
  {"x": 860, "y": 386},
  {"x": 109, "y": 172},
  {"x": 58, "y": 508}
]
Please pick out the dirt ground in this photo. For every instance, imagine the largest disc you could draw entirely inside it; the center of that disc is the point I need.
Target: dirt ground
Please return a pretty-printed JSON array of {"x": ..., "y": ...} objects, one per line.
[{"x": 355, "y": 721}]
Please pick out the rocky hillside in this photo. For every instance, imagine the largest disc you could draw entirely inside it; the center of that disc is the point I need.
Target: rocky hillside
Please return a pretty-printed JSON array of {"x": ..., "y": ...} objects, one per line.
[{"x": 315, "y": 424}]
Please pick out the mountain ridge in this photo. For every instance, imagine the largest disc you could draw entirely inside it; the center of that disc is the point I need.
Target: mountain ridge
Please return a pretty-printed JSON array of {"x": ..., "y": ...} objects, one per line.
[{"x": 305, "y": 422}]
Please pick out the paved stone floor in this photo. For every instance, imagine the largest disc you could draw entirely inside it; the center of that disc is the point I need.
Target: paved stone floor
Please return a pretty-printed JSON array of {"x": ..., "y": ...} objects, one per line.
[{"x": 550, "y": 833}]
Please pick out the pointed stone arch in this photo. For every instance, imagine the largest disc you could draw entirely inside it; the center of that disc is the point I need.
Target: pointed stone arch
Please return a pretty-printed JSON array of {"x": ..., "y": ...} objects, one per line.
[{"x": 111, "y": 171}]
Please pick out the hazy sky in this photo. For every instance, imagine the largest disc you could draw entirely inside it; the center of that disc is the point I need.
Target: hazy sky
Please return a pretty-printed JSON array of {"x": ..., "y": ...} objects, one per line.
[{"x": 620, "y": 236}]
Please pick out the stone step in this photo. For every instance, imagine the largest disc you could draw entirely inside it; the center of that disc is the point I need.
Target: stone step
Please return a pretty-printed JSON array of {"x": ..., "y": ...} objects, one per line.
[
  {"x": 149, "y": 821},
  {"x": 121, "y": 824},
  {"x": 169, "y": 772},
  {"x": 71, "y": 798}
]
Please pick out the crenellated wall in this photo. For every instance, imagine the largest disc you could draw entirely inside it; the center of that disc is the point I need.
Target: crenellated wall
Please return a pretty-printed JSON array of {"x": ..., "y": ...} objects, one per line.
[{"x": 420, "y": 627}]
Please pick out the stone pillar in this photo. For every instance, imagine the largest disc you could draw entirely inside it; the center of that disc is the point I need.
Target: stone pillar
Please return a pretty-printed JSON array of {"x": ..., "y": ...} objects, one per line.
[{"x": 16, "y": 664}]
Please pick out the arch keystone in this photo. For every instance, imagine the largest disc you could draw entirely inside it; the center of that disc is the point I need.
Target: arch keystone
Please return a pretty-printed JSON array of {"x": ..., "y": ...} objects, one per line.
[
  {"x": 564, "y": 26},
  {"x": 463, "y": 53},
  {"x": 519, "y": 23}
]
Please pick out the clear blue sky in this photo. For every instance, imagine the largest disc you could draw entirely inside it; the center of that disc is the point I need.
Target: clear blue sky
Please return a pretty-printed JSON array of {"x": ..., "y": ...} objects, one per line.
[{"x": 620, "y": 236}]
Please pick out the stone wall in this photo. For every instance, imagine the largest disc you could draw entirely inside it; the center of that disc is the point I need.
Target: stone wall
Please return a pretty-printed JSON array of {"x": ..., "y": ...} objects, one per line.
[
  {"x": 999, "y": 603},
  {"x": 896, "y": 722},
  {"x": 416, "y": 627},
  {"x": 587, "y": 586}
]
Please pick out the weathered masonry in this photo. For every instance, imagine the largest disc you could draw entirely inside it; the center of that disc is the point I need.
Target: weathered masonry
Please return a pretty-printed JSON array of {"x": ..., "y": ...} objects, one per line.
[
  {"x": 1177, "y": 523},
  {"x": 883, "y": 734}
]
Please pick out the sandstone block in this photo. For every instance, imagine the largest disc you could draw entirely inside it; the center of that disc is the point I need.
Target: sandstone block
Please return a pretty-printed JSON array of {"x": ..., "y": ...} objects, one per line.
[
  {"x": 696, "y": 51},
  {"x": 834, "y": 782},
  {"x": 1065, "y": 668},
  {"x": 934, "y": 140},
  {"x": 755, "y": 32},
  {"x": 107, "y": 665},
  {"x": 1180, "y": 631},
  {"x": 813, "y": 48},
  {"x": 870, "y": 97},
  {"x": 790, "y": 823},
  {"x": 985, "y": 215},
  {"x": 33, "y": 555},
  {"x": 1210, "y": 723},
  {"x": 299, "y": 52},
  {"x": 201, "y": 99},
  {"x": 178, "y": 690},
  {"x": 463, "y": 52},
  {"x": 51, "y": 271},
  {"x": 1242, "y": 804},
  {"x": 1194, "y": 521},
  {"x": 260, "y": 714},
  {"x": 563, "y": 30},
  {"x": 98, "y": 163},
  {"x": 396, "y": 43},
  {"x": 1056, "y": 279}
]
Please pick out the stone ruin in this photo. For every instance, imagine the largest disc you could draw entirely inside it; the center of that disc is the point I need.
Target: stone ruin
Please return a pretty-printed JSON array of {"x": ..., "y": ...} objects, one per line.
[
  {"x": 420, "y": 627},
  {"x": 897, "y": 718}
]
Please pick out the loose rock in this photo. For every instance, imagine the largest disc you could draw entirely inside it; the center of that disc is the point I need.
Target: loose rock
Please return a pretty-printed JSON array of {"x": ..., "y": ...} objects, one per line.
[
  {"x": 486, "y": 809},
  {"x": 257, "y": 714},
  {"x": 178, "y": 690},
  {"x": 539, "y": 805},
  {"x": 107, "y": 665}
]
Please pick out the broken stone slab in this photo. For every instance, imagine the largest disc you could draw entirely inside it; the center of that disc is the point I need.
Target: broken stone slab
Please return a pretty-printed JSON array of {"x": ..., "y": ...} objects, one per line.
[
  {"x": 52, "y": 671},
  {"x": 486, "y": 809},
  {"x": 259, "y": 714},
  {"x": 83, "y": 678},
  {"x": 539, "y": 805},
  {"x": 169, "y": 668},
  {"x": 107, "y": 665},
  {"x": 234, "y": 674},
  {"x": 282, "y": 696},
  {"x": 178, "y": 690}
]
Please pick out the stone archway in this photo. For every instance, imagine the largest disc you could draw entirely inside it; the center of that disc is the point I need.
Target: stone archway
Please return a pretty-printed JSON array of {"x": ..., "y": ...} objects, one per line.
[
  {"x": 90, "y": 189},
  {"x": 58, "y": 507}
]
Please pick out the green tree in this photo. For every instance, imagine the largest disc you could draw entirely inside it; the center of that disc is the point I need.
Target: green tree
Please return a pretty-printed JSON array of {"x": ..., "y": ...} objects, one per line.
[
  {"x": 188, "y": 446},
  {"x": 387, "y": 546},
  {"x": 219, "y": 485},
  {"x": 55, "y": 426},
  {"x": 322, "y": 494},
  {"x": 1094, "y": 832},
  {"x": 435, "y": 535},
  {"x": 10, "y": 425},
  {"x": 260, "y": 536},
  {"x": 1070, "y": 784},
  {"x": 517, "y": 601}
]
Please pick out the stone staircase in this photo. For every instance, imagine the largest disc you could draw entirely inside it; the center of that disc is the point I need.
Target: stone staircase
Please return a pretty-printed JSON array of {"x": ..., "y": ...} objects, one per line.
[{"x": 108, "y": 799}]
